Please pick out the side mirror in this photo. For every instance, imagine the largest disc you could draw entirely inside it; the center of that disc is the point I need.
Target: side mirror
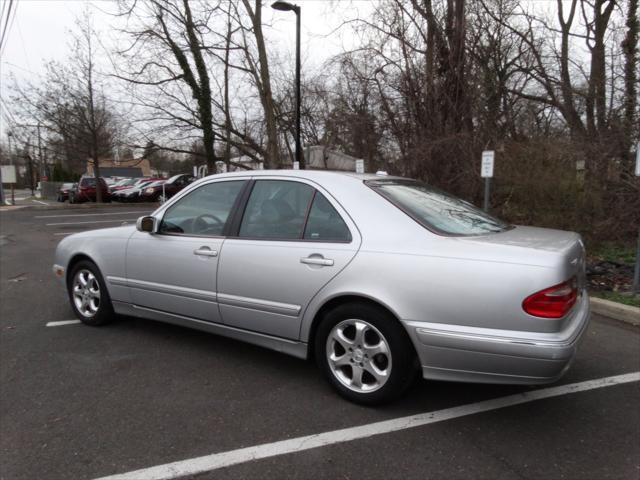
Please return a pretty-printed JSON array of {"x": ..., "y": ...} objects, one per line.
[{"x": 146, "y": 224}]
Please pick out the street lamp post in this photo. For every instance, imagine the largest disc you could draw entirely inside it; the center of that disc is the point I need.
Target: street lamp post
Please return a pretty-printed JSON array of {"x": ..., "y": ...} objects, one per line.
[{"x": 289, "y": 7}]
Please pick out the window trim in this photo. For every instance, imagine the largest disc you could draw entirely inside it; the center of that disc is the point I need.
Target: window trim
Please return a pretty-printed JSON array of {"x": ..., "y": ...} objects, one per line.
[
  {"x": 372, "y": 184},
  {"x": 230, "y": 217},
  {"x": 234, "y": 232}
]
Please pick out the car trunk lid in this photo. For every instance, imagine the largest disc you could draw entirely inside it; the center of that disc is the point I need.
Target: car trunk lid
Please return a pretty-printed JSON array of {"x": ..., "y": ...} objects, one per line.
[{"x": 538, "y": 246}]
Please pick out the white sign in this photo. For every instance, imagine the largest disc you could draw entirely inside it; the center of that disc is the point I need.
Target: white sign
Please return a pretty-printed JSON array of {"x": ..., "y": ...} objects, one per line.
[
  {"x": 8, "y": 173},
  {"x": 486, "y": 171},
  {"x": 637, "y": 159},
  {"x": 296, "y": 165},
  {"x": 359, "y": 166},
  {"x": 195, "y": 171}
]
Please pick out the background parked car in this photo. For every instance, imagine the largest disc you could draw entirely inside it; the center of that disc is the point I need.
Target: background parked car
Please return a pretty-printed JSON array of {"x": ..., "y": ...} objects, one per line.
[
  {"x": 85, "y": 191},
  {"x": 122, "y": 184},
  {"x": 153, "y": 192},
  {"x": 132, "y": 194},
  {"x": 63, "y": 191}
]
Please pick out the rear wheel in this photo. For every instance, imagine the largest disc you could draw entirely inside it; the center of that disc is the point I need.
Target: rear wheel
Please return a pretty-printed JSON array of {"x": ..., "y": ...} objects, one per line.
[
  {"x": 88, "y": 294},
  {"x": 364, "y": 353}
]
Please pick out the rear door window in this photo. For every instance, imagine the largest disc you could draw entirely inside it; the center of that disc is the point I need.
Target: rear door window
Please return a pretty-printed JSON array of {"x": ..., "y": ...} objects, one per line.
[
  {"x": 324, "y": 222},
  {"x": 277, "y": 209}
]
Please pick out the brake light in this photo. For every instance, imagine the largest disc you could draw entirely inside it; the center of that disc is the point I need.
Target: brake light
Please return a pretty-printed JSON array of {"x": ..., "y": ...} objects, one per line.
[{"x": 552, "y": 302}]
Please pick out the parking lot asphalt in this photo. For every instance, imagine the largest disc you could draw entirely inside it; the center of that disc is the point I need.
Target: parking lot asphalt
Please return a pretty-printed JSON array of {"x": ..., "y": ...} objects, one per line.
[{"x": 81, "y": 402}]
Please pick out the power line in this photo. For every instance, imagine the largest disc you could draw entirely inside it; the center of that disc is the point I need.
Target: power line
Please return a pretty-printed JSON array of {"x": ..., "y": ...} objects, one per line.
[
  {"x": 11, "y": 16},
  {"x": 6, "y": 23}
]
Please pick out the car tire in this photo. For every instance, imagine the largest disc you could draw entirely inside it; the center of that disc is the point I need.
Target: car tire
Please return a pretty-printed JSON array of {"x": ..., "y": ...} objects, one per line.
[
  {"x": 88, "y": 294},
  {"x": 381, "y": 363}
]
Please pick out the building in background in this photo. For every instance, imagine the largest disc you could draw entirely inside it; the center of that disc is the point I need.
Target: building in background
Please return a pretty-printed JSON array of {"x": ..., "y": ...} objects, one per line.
[{"x": 135, "y": 167}]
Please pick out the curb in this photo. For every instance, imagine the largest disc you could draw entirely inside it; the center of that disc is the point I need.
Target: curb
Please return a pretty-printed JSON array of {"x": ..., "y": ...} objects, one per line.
[
  {"x": 617, "y": 311},
  {"x": 79, "y": 206}
]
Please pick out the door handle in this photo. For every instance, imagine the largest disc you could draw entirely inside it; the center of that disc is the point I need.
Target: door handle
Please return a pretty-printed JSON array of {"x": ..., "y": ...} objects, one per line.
[
  {"x": 205, "y": 252},
  {"x": 319, "y": 260}
]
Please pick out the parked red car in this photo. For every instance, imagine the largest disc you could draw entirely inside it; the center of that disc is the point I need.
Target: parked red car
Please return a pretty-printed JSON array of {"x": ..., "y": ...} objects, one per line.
[
  {"x": 85, "y": 191},
  {"x": 152, "y": 193}
]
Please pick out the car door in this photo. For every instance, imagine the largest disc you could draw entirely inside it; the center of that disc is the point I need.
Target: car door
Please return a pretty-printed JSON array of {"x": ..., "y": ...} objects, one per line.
[
  {"x": 174, "y": 269},
  {"x": 292, "y": 239}
]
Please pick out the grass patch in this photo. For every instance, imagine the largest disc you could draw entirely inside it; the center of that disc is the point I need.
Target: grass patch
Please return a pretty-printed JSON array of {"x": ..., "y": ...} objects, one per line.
[
  {"x": 626, "y": 299},
  {"x": 610, "y": 252}
]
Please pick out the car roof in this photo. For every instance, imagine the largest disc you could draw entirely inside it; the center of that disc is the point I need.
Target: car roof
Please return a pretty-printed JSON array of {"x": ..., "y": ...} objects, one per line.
[{"x": 320, "y": 175}]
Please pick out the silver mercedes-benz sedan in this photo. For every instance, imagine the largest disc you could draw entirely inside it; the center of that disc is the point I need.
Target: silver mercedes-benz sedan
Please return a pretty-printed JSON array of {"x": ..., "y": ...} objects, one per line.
[{"x": 375, "y": 277}]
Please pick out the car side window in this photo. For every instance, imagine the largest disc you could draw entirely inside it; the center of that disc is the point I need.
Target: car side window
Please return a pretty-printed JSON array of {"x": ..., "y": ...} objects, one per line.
[
  {"x": 276, "y": 209},
  {"x": 324, "y": 222},
  {"x": 204, "y": 211}
]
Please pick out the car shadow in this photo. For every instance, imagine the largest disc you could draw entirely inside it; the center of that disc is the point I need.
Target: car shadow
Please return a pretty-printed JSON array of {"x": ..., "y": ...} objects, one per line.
[{"x": 302, "y": 376}]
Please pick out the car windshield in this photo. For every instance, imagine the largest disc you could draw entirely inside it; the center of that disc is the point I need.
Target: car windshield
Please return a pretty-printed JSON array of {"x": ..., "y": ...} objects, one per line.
[{"x": 436, "y": 210}]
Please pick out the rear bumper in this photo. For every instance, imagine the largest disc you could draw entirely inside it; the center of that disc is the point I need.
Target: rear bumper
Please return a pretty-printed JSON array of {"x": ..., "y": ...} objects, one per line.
[{"x": 469, "y": 354}]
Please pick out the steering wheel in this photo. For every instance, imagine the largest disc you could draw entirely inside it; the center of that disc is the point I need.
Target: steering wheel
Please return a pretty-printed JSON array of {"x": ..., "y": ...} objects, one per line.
[{"x": 200, "y": 225}]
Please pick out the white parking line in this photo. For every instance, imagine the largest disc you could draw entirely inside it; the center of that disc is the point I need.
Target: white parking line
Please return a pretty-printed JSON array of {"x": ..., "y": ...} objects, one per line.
[
  {"x": 95, "y": 221},
  {"x": 38, "y": 201},
  {"x": 90, "y": 214},
  {"x": 64, "y": 233},
  {"x": 63, "y": 322},
  {"x": 215, "y": 461}
]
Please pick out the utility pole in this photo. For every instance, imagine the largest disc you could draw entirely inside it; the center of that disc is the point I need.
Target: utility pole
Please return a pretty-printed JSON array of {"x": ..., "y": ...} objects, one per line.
[
  {"x": 43, "y": 164},
  {"x": 13, "y": 198}
]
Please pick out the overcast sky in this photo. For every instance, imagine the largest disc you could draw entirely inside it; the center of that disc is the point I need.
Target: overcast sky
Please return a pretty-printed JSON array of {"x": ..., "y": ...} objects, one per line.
[{"x": 39, "y": 33}]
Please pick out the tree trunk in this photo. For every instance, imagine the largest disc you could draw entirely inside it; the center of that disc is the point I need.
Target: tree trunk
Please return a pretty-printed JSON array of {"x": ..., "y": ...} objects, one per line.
[
  {"x": 204, "y": 93},
  {"x": 266, "y": 95},
  {"x": 630, "y": 49}
]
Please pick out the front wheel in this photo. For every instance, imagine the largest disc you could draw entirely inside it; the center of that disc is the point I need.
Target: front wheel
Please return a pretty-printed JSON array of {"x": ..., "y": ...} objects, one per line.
[
  {"x": 88, "y": 294},
  {"x": 365, "y": 353}
]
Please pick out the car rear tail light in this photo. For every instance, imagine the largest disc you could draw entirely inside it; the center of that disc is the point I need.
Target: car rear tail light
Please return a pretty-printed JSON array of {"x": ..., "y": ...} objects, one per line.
[{"x": 552, "y": 302}]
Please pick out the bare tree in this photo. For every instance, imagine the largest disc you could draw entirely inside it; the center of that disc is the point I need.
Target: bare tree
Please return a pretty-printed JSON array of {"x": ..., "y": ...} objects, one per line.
[
  {"x": 259, "y": 69},
  {"x": 71, "y": 104},
  {"x": 165, "y": 54}
]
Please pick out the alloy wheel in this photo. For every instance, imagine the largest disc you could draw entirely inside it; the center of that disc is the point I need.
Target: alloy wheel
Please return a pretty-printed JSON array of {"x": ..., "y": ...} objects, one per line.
[
  {"x": 86, "y": 293},
  {"x": 358, "y": 355}
]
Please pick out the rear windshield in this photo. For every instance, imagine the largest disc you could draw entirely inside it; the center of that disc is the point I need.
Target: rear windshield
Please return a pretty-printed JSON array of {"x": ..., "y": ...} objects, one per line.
[
  {"x": 436, "y": 210},
  {"x": 91, "y": 182}
]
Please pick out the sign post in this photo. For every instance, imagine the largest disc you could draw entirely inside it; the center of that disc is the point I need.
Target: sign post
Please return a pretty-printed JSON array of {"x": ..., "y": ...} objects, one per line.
[
  {"x": 9, "y": 176},
  {"x": 486, "y": 172},
  {"x": 1, "y": 189},
  {"x": 636, "y": 271}
]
